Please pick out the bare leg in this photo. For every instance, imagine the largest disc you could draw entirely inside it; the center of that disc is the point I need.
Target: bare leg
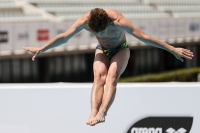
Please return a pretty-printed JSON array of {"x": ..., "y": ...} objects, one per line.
[
  {"x": 100, "y": 67},
  {"x": 117, "y": 66}
]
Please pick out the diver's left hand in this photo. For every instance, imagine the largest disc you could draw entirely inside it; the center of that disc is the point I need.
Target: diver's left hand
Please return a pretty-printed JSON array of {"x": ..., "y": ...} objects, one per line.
[{"x": 181, "y": 52}]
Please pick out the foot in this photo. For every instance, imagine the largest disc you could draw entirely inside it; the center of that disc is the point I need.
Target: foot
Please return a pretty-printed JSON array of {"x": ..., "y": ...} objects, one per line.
[
  {"x": 100, "y": 117},
  {"x": 91, "y": 118}
]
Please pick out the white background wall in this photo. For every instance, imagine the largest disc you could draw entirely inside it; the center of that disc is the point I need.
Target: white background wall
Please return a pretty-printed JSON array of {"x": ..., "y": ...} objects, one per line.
[{"x": 65, "y": 107}]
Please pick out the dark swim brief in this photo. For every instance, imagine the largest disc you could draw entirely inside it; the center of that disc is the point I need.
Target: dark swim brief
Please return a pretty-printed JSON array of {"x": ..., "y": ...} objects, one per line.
[{"x": 111, "y": 52}]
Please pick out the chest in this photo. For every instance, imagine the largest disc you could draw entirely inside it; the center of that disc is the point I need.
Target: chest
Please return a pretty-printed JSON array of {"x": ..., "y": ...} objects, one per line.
[{"x": 110, "y": 32}]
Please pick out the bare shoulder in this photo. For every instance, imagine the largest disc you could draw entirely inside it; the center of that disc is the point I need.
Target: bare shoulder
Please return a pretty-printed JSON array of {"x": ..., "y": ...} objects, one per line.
[
  {"x": 82, "y": 21},
  {"x": 114, "y": 15},
  {"x": 84, "y": 18},
  {"x": 120, "y": 21}
]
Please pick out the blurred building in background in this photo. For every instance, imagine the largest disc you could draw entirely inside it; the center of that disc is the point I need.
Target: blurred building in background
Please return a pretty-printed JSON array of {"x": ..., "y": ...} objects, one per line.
[{"x": 35, "y": 22}]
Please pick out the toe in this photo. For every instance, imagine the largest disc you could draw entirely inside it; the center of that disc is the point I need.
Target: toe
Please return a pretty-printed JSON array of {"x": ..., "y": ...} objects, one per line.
[
  {"x": 89, "y": 122},
  {"x": 92, "y": 123},
  {"x": 95, "y": 121}
]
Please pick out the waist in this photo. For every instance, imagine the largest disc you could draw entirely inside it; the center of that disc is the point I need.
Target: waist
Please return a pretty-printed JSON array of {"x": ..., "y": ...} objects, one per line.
[{"x": 123, "y": 45}]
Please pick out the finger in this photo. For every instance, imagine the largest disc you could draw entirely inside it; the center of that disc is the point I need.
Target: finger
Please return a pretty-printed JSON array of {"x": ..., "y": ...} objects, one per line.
[
  {"x": 28, "y": 49},
  {"x": 188, "y": 56},
  {"x": 186, "y": 50},
  {"x": 188, "y": 53},
  {"x": 33, "y": 58},
  {"x": 25, "y": 48}
]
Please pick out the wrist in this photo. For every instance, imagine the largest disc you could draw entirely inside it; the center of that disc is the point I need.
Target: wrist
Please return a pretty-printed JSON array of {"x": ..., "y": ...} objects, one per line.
[
  {"x": 42, "y": 48},
  {"x": 172, "y": 49}
]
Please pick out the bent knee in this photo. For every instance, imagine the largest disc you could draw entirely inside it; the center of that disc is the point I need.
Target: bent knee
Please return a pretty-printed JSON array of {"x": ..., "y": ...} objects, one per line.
[
  {"x": 100, "y": 78},
  {"x": 112, "y": 78}
]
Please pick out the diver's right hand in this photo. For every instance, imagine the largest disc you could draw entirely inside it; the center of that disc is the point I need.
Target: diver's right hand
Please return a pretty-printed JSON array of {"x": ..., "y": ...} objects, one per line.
[
  {"x": 182, "y": 52},
  {"x": 35, "y": 50}
]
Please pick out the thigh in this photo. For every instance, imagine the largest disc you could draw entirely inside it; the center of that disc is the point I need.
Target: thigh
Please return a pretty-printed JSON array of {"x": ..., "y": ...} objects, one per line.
[
  {"x": 119, "y": 62},
  {"x": 101, "y": 63}
]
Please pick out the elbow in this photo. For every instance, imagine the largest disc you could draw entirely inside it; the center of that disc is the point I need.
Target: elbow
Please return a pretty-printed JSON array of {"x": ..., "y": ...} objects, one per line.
[
  {"x": 141, "y": 35},
  {"x": 144, "y": 36},
  {"x": 62, "y": 37}
]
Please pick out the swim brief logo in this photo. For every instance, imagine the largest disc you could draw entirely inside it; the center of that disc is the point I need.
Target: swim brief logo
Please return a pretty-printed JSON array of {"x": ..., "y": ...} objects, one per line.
[
  {"x": 162, "y": 125},
  {"x": 124, "y": 45}
]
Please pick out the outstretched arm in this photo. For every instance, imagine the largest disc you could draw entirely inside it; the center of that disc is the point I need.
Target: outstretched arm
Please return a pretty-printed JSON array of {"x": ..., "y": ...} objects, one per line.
[
  {"x": 59, "y": 39},
  {"x": 129, "y": 27}
]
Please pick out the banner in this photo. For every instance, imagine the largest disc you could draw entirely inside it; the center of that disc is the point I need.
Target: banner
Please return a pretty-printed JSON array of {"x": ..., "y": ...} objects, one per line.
[
  {"x": 6, "y": 37},
  {"x": 41, "y": 33},
  {"x": 14, "y": 36},
  {"x": 21, "y": 36}
]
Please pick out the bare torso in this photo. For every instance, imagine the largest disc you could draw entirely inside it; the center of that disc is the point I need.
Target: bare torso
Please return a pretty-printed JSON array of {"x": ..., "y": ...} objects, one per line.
[{"x": 113, "y": 36}]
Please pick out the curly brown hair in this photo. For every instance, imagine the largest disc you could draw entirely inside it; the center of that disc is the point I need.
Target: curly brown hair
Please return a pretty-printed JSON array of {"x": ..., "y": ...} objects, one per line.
[{"x": 98, "y": 20}]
